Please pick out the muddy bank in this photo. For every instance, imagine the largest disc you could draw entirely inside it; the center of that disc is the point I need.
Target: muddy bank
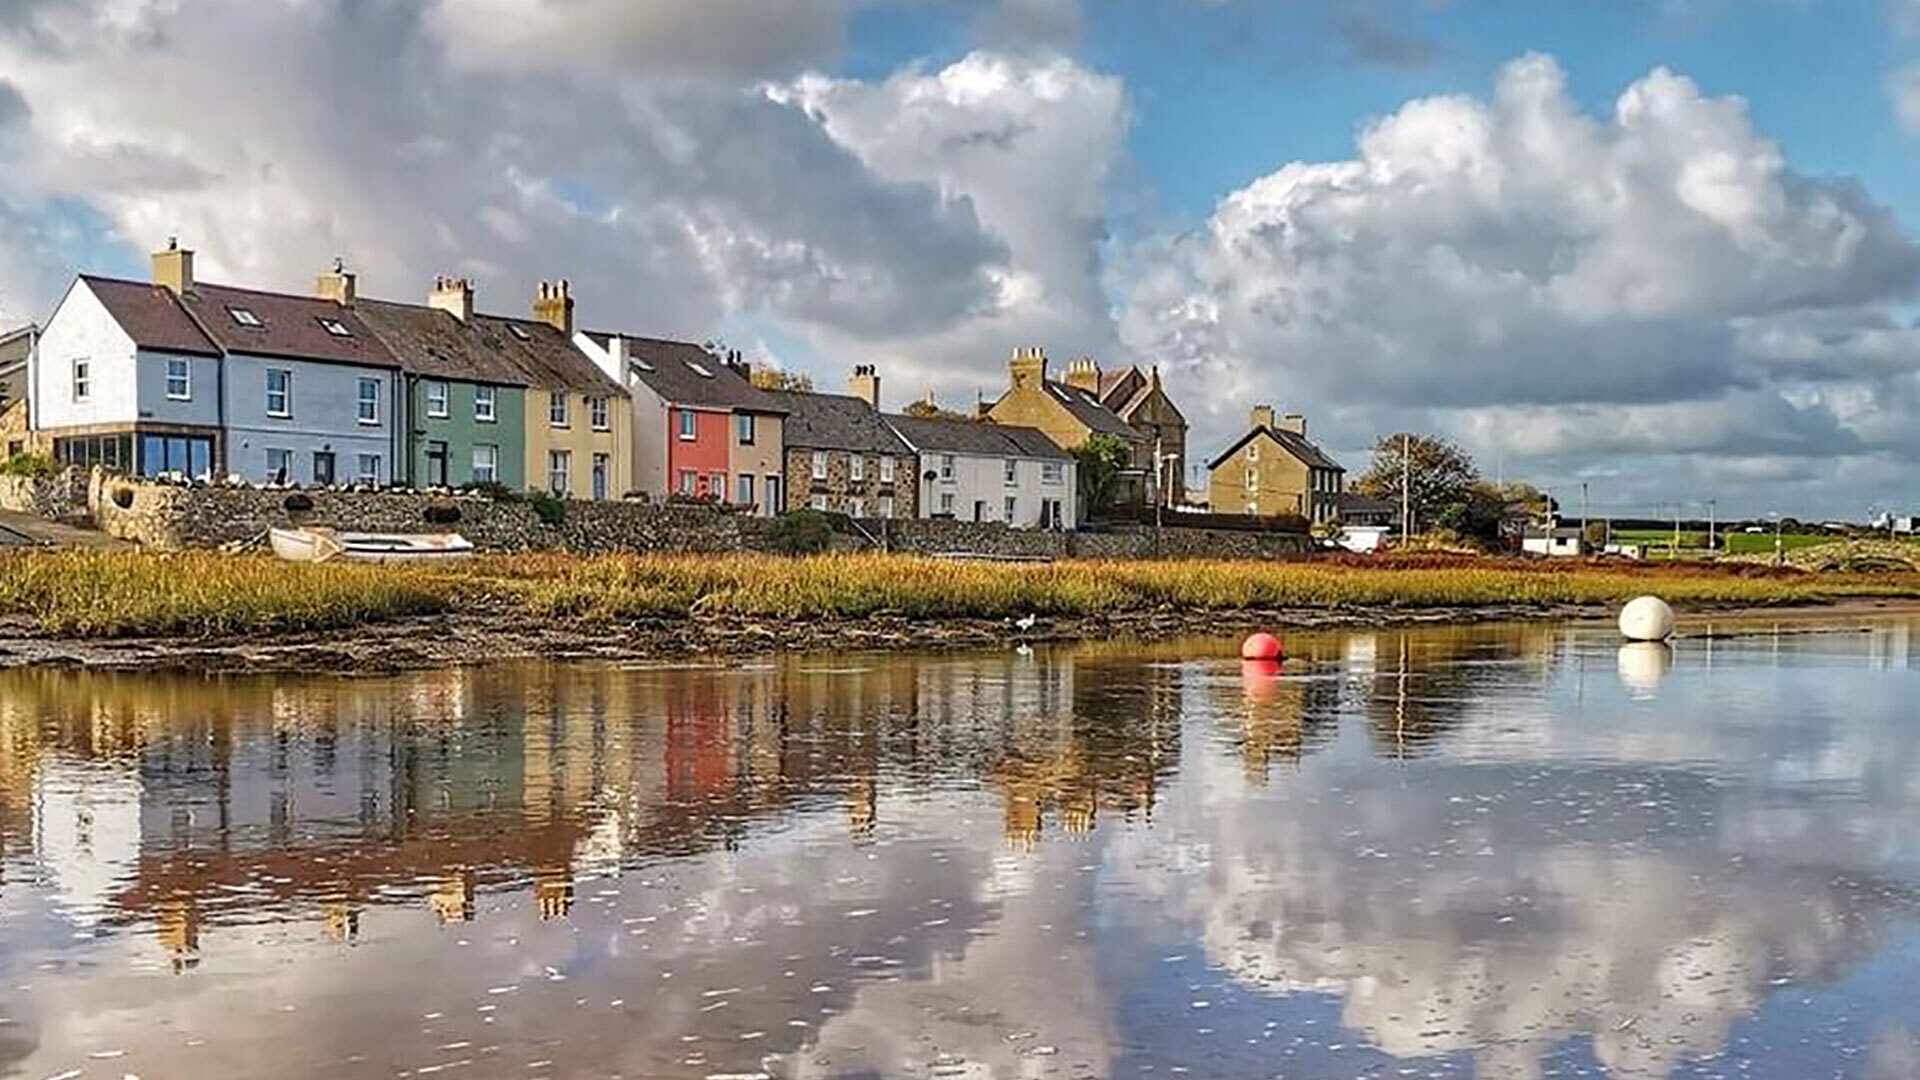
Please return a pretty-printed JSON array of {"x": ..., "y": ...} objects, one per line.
[{"x": 463, "y": 639}]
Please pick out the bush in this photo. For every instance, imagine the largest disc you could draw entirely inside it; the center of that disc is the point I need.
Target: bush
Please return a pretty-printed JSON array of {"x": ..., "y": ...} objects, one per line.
[
  {"x": 803, "y": 532},
  {"x": 550, "y": 509},
  {"x": 31, "y": 466}
]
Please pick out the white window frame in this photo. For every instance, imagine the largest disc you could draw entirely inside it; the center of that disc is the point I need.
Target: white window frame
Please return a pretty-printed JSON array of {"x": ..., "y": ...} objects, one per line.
[
  {"x": 560, "y": 472},
  {"x": 1011, "y": 469},
  {"x": 1011, "y": 507},
  {"x": 886, "y": 469},
  {"x": 557, "y": 414},
  {"x": 689, "y": 425},
  {"x": 487, "y": 470},
  {"x": 245, "y": 317},
  {"x": 279, "y": 475},
  {"x": 856, "y": 469},
  {"x": 856, "y": 507},
  {"x": 819, "y": 464},
  {"x": 599, "y": 414},
  {"x": 743, "y": 489},
  {"x": 1052, "y": 472},
  {"x": 745, "y": 428},
  {"x": 485, "y": 405},
  {"x": 82, "y": 372},
  {"x": 818, "y": 502},
  {"x": 285, "y": 411},
  {"x": 365, "y": 475},
  {"x": 367, "y": 417},
  {"x": 886, "y": 507},
  {"x": 439, "y": 399},
  {"x": 717, "y": 486},
  {"x": 946, "y": 467},
  {"x": 602, "y": 477},
  {"x": 947, "y": 504},
  {"x": 185, "y": 393},
  {"x": 689, "y": 482}
]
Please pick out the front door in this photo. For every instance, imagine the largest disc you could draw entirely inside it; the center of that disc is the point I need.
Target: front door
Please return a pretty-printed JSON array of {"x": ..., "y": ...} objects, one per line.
[
  {"x": 323, "y": 468},
  {"x": 774, "y": 505},
  {"x": 600, "y": 477},
  {"x": 436, "y": 464}
]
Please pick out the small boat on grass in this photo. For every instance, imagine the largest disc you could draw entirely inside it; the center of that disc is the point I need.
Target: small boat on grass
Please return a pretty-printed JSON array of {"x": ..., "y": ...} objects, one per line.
[{"x": 321, "y": 545}]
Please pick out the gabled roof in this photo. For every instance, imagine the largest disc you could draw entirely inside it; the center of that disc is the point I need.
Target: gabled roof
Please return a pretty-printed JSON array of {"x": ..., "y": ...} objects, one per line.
[
  {"x": 946, "y": 435},
  {"x": 835, "y": 422},
  {"x": 1087, "y": 409},
  {"x": 435, "y": 344},
  {"x": 151, "y": 316},
  {"x": 1110, "y": 385},
  {"x": 1033, "y": 443},
  {"x": 1297, "y": 445},
  {"x": 293, "y": 327},
  {"x": 1352, "y": 502},
  {"x": 683, "y": 373},
  {"x": 545, "y": 356}
]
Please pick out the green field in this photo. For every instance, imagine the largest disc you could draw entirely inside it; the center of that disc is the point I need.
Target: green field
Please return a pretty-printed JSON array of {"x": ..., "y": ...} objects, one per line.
[{"x": 1658, "y": 541}]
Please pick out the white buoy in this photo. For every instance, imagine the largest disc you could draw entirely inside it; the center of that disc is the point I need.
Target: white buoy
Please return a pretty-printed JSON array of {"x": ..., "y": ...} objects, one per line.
[{"x": 1646, "y": 619}]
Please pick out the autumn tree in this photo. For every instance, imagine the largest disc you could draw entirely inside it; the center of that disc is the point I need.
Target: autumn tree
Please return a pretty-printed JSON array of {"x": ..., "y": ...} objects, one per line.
[
  {"x": 772, "y": 378},
  {"x": 1438, "y": 475},
  {"x": 925, "y": 409}
]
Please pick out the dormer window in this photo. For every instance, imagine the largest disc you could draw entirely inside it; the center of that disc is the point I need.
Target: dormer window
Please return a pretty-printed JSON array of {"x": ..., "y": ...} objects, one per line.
[
  {"x": 335, "y": 327},
  {"x": 700, "y": 369},
  {"x": 245, "y": 317}
]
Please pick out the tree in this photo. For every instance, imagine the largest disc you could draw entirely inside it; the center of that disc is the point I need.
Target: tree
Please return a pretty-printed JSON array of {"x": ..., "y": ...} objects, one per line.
[
  {"x": 770, "y": 378},
  {"x": 1441, "y": 475},
  {"x": 927, "y": 410},
  {"x": 1100, "y": 461}
]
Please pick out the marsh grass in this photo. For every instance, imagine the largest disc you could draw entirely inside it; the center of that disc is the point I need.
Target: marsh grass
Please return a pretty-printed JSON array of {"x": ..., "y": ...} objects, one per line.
[{"x": 101, "y": 594}]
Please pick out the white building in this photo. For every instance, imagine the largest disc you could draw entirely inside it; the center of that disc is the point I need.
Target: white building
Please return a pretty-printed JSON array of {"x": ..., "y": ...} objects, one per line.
[
  {"x": 1557, "y": 543},
  {"x": 976, "y": 471}
]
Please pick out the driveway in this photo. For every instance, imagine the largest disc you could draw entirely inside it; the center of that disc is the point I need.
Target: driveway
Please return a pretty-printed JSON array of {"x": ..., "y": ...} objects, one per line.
[{"x": 27, "y": 530}]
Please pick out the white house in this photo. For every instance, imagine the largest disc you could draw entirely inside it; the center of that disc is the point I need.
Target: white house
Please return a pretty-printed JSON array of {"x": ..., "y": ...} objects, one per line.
[
  {"x": 976, "y": 471},
  {"x": 206, "y": 380},
  {"x": 1557, "y": 543}
]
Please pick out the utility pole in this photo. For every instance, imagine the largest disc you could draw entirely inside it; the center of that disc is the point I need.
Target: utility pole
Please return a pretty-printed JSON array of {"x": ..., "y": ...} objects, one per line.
[
  {"x": 1406, "y": 489},
  {"x": 1713, "y": 525},
  {"x": 1677, "y": 507},
  {"x": 1583, "y": 515}
]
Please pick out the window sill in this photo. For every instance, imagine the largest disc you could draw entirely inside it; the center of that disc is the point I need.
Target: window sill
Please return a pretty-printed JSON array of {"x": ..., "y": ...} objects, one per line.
[
  {"x": 439, "y": 416},
  {"x": 179, "y": 397},
  {"x": 369, "y": 423},
  {"x": 279, "y": 416},
  {"x": 603, "y": 431},
  {"x": 485, "y": 420}
]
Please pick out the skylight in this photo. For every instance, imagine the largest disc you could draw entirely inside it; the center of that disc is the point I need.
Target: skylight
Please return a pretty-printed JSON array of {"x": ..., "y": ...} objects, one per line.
[
  {"x": 700, "y": 370},
  {"x": 246, "y": 317},
  {"x": 518, "y": 331},
  {"x": 642, "y": 364},
  {"x": 335, "y": 327}
]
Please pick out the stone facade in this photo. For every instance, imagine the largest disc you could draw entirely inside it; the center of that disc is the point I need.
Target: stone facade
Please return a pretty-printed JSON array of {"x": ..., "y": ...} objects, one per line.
[
  {"x": 62, "y": 497},
  {"x": 839, "y": 487}
]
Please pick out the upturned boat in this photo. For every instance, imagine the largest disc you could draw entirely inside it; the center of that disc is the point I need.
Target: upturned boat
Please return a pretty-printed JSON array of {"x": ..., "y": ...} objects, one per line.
[{"x": 321, "y": 545}]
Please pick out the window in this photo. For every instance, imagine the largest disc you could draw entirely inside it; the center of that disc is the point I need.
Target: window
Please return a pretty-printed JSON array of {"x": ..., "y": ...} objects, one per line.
[
  {"x": 1012, "y": 471},
  {"x": 323, "y": 468},
  {"x": 856, "y": 507},
  {"x": 818, "y": 502},
  {"x": 279, "y": 393},
  {"x": 772, "y": 488},
  {"x": 1253, "y": 478},
  {"x": 559, "y": 471},
  {"x": 886, "y": 470},
  {"x": 483, "y": 404},
  {"x": 598, "y": 414},
  {"x": 367, "y": 401},
  {"x": 600, "y": 481},
  {"x": 179, "y": 380},
  {"x": 979, "y": 510},
  {"x": 82, "y": 380},
  {"x": 743, "y": 427},
  {"x": 886, "y": 506},
  {"x": 436, "y": 463},
  {"x": 946, "y": 467},
  {"x": 744, "y": 494},
  {"x": 819, "y": 465},
  {"x": 279, "y": 466},
  {"x": 369, "y": 470},
  {"x": 245, "y": 317},
  {"x": 1011, "y": 505},
  {"x": 114, "y": 451},
  {"x": 717, "y": 486},
  {"x": 486, "y": 464},
  {"x": 437, "y": 400},
  {"x": 335, "y": 327},
  {"x": 687, "y": 422},
  {"x": 1050, "y": 515},
  {"x": 1052, "y": 472},
  {"x": 557, "y": 408},
  {"x": 175, "y": 454},
  {"x": 946, "y": 503},
  {"x": 856, "y": 468},
  {"x": 689, "y": 482}
]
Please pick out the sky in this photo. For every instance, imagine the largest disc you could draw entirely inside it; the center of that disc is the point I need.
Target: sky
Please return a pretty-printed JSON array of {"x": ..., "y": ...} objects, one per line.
[{"x": 1660, "y": 248}]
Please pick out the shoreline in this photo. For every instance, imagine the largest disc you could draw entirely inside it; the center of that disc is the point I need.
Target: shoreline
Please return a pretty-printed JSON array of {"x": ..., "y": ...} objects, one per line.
[{"x": 467, "y": 639}]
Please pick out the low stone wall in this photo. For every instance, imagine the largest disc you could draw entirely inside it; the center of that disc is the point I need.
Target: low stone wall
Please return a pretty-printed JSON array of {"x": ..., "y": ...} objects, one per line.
[
  {"x": 62, "y": 497},
  {"x": 946, "y": 537}
]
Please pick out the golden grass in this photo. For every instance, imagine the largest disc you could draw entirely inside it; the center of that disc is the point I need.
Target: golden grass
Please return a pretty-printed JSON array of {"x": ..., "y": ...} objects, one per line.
[{"x": 93, "y": 594}]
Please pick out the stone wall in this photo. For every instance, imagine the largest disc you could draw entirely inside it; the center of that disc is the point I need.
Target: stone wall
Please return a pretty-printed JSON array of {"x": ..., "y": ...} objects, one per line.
[
  {"x": 62, "y": 497},
  {"x": 947, "y": 537}
]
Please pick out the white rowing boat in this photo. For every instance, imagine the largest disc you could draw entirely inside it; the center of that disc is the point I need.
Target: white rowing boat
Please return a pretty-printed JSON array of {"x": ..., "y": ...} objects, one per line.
[{"x": 320, "y": 545}]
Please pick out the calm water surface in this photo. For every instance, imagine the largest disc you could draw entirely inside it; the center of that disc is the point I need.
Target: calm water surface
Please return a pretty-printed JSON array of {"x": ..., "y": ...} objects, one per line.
[{"x": 1495, "y": 852}]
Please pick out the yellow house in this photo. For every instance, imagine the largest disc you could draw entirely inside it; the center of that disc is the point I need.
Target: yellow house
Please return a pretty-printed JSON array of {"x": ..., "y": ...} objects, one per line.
[
  {"x": 1273, "y": 470},
  {"x": 1139, "y": 398},
  {"x": 1070, "y": 415},
  {"x": 579, "y": 421}
]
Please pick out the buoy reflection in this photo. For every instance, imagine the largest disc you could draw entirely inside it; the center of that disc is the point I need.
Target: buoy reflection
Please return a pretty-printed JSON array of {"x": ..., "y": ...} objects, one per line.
[{"x": 1643, "y": 664}]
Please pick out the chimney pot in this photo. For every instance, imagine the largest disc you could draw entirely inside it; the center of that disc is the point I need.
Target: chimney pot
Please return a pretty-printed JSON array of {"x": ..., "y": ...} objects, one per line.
[
  {"x": 173, "y": 268},
  {"x": 553, "y": 305},
  {"x": 453, "y": 295}
]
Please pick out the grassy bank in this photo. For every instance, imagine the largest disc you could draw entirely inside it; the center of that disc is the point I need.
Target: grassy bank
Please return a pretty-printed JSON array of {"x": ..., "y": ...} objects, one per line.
[{"x": 102, "y": 595}]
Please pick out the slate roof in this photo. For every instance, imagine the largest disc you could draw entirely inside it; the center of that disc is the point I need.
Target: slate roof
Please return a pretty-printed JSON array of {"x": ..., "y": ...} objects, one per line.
[
  {"x": 545, "y": 356},
  {"x": 1111, "y": 380},
  {"x": 433, "y": 343},
  {"x": 151, "y": 316},
  {"x": 290, "y": 326},
  {"x": 835, "y": 422},
  {"x": 687, "y": 374},
  {"x": 1087, "y": 409},
  {"x": 977, "y": 438},
  {"x": 15, "y": 346},
  {"x": 1352, "y": 502},
  {"x": 1296, "y": 445}
]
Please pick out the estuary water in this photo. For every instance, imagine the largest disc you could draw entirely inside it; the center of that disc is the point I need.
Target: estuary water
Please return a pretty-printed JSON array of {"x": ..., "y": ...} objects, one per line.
[{"x": 1499, "y": 851}]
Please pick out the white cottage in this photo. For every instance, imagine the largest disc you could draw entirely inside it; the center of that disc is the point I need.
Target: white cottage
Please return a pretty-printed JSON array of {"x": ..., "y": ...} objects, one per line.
[{"x": 976, "y": 471}]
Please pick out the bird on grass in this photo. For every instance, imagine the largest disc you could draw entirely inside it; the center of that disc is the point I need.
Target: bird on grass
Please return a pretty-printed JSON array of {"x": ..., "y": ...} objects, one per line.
[{"x": 1026, "y": 623}]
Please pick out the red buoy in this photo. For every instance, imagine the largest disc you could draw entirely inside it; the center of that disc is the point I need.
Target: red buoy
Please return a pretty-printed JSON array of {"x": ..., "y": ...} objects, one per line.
[{"x": 1262, "y": 647}]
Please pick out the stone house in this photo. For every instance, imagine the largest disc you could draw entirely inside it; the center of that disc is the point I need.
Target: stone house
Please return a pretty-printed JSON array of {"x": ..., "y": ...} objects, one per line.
[
  {"x": 1273, "y": 470},
  {"x": 16, "y": 350},
  {"x": 1070, "y": 415},
  {"x": 701, "y": 429},
  {"x": 843, "y": 456},
  {"x": 985, "y": 472},
  {"x": 182, "y": 376},
  {"x": 1142, "y": 401}
]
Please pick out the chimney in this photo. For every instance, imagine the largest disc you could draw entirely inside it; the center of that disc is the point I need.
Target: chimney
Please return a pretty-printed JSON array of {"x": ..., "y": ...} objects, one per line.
[
  {"x": 553, "y": 305},
  {"x": 1295, "y": 423},
  {"x": 1084, "y": 374},
  {"x": 1028, "y": 367},
  {"x": 453, "y": 295},
  {"x": 173, "y": 268},
  {"x": 865, "y": 384},
  {"x": 336, "y": 285},
  {"x": 739, "y": 366},
  {"x": 1261, "y": 417}
]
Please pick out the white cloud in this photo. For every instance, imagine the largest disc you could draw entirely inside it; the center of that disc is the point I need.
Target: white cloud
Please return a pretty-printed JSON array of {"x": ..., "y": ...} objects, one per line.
[{"x": 641, "y": 37}]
